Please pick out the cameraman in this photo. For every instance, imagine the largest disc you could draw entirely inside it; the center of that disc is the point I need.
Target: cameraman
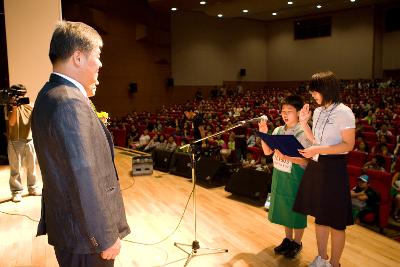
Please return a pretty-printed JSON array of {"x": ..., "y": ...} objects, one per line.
[{"x": 21, "y": 152}]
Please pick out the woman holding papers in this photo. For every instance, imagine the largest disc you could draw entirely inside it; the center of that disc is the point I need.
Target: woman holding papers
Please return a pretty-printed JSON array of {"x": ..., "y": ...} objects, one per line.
[
  {"x": 286, "y": 178},
  {"x": 324, "y": 190}
]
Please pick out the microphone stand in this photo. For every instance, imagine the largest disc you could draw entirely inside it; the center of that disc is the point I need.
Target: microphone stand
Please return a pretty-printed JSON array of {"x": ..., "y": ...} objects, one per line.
[{"x": 195, "y": 246}]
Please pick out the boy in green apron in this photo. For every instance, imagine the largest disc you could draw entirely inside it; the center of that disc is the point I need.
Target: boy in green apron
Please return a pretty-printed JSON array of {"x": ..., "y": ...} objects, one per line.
[{"x": 286, "y": 177}]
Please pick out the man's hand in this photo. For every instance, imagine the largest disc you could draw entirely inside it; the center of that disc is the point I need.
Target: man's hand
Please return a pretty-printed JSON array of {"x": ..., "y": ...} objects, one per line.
[{"x": 112, "y": 252}]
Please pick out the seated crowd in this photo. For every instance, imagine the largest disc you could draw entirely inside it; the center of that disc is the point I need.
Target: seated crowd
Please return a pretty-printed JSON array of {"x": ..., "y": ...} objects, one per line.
[{"x": 376, "y": 108}]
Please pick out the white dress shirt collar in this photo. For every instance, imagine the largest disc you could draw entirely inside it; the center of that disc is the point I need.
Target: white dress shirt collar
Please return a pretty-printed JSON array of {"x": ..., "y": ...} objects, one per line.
[{"x": 75, "y": 82}]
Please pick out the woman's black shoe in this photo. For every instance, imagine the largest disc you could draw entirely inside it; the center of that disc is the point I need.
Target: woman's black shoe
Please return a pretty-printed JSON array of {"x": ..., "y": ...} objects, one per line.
[
  {"x": 283, "y": 247},
  {"x": 293, "y": 250}
]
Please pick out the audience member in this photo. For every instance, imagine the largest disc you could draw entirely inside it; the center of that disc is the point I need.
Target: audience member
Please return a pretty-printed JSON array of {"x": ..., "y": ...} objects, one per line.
[{"x": 363, "y": 198}]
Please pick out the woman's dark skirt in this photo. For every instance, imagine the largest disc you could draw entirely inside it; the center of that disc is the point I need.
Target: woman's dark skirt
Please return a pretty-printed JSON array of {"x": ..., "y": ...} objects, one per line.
[{"x": 324, "y": 192}]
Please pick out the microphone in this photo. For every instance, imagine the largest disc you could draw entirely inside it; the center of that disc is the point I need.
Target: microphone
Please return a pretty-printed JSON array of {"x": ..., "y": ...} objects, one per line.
[{"x": 263, "y": 117}]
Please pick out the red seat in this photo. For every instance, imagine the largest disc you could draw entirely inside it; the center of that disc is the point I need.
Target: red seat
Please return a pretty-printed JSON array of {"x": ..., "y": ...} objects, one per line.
[
  {"x": 249, "y": 131},
  {"x": 371, "y": 145},
  {"x": 256, "y": 152},
  {"x": 388, "y": 161},
  {"x": 119, "y": 137},
  {"x": 397, "y": 165},
  {"x": 169, "y": 130},
  {"x": 354, "y": 172},
  {"x": 370, "y": 137},
  {"x": 152, "y": 134},
  {"x": 178, "y": 140},
  {"x": 356, "y": 158},
  {"x": 392, "y": 139},
  {"x": 391, "y": 147},
  {"x": 368, "y": 128},
  {"x": 381, "y": 182},
  {"x": 225, "y": 137}
]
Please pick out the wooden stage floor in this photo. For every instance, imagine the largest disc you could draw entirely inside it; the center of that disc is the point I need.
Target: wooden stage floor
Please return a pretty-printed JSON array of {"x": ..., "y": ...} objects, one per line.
[{"x": 154, "y": 205}]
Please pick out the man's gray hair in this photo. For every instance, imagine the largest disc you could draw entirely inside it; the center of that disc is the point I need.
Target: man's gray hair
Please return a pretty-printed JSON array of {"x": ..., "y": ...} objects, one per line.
[{"x": 69, "y": 37}]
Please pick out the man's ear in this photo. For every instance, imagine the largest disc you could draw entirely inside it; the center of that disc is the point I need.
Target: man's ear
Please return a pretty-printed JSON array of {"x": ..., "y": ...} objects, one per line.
[{"x": 77, "y": 58}]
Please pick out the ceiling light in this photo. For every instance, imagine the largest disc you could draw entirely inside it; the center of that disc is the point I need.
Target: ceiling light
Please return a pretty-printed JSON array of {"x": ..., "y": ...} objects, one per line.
[
  {"x": 274, "y": 14},
  {"x": 203, "y": 2},
  {"x": 174, "y": 9},
  {"x": 220, "y": 15},
  {"x": 290, "y": 2},
  {"x": 245, "y": 10},
  {"x": 319, "y": 6},
  {"x": 352, "y": 1}
]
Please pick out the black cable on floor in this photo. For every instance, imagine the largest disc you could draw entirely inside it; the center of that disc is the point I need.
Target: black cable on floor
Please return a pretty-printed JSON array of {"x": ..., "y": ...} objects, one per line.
[
  {"x": 17, "y": 214},
  {"x": 169, "y": 235}
]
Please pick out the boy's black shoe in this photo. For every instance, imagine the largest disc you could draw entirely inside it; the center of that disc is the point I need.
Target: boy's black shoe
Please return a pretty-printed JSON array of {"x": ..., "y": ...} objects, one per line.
[
  {"x": 294, "y": 249},
  {"x": 283, "y": 247}
]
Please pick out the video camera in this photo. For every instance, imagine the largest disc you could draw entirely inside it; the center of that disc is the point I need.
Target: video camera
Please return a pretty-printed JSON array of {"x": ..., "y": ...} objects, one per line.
[{"x": 13, "y": 96}]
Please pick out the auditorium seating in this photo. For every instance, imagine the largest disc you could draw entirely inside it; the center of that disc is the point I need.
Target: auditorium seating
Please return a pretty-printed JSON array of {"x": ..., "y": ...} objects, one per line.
[
  {"x": 267, "y": 101},
  {"x": 356, "y": 158},
  {"x": 354, "y": 172},
  {"x": 370, "y": 137},
  {"x": 388, "y": 160},
  {"x": 381, "y": 182},
  {"x": 119, "y": 137}
]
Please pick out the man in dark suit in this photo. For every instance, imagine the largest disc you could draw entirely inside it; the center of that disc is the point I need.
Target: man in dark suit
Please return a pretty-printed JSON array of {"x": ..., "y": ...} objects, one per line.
[{"x": 82, "y": 208}]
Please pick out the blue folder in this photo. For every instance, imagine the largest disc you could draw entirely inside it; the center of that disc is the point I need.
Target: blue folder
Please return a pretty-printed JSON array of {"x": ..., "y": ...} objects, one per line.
[{"x": 287, "y": 144}]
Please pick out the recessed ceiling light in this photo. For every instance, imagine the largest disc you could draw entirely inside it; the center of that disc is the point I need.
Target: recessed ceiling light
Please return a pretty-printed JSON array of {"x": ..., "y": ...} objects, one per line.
[
  {"x": 220, "y": 15},
  {"x": 174, "y": 9},
  {"x": 274, "y": 14},
  {"x": 319, "y": 6},
  {"x": 245, "y": 10},
  {"x": 203, "y": 2},
  {"x": 290, "y": 2}
]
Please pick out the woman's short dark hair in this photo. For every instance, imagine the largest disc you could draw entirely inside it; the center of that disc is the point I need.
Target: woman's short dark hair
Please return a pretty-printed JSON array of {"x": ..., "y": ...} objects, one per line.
[
  {"x": 293, "y": 100},
  {"x": 327, "y": 85},
  {"x": 69, "y": 37}
]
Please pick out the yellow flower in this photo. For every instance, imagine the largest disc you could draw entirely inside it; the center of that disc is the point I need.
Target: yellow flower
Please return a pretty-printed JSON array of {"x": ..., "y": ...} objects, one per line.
[{"x": 102, "y": 114}]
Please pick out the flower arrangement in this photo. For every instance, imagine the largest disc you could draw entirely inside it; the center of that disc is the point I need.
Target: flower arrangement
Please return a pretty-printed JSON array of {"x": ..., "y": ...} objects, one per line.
[{"x": 103, "y": 116}]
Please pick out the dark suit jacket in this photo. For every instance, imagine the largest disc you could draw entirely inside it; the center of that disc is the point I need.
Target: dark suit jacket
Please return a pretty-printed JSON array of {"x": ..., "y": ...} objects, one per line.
[{"x": 82, "y": 206}]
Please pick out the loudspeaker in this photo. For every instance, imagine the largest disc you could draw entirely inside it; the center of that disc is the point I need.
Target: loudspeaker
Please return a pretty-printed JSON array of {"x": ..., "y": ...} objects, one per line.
[
  {"x": 170, "y": 82},
  {"x": 133, "y": 88},
  {"x": 181, "y": 164},
  {"x": 250, "y": 183},
  {"x": 161, "y": 159},
  {"x": 242, "y": 72},
  {"x": 211, "y": 171}
]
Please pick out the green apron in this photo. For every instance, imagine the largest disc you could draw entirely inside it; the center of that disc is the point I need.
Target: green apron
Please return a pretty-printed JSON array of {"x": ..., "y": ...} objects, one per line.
[{"x": 283, "y": 194}]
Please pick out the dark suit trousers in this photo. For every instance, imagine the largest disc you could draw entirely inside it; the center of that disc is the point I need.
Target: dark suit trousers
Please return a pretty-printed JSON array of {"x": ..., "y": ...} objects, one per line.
[{"x": 67, "y": 259}]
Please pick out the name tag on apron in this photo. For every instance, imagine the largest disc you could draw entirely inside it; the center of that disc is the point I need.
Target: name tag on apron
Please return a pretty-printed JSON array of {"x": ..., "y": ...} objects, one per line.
[{"x": 282, "y": 165}]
